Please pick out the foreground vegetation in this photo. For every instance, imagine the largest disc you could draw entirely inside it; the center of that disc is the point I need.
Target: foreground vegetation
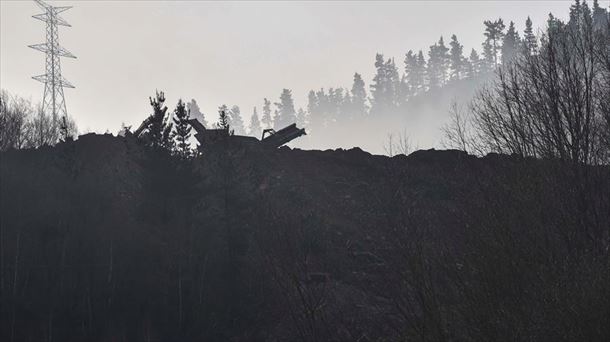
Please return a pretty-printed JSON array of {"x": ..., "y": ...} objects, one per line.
[{"x": 105, "y": 238}]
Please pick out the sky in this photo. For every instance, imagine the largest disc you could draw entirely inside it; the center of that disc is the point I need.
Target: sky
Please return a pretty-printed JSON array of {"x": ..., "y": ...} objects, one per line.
[{"x": 233, "y": 53}]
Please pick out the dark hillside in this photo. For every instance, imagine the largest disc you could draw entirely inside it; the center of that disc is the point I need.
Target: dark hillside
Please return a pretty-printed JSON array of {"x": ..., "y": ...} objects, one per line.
[{"x": 105, "y": 239}]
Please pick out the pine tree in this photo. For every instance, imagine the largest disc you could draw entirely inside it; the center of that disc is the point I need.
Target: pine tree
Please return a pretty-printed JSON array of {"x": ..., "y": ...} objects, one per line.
[
  {"x": 553, "y": 25},
  {"x": 394, "y": 88},
  {"x": 266, "y": 120},
  {"x": 404, "y": 92},
  {"x": 487, "y": 63},
  {"x": 421, "y": 71},
  {"x": 494, "y": 33},
  {"x": 255, "y": 129},
  {"x": 437, "y": 64},
  {"x": 456, "y": 58},
  {"x": 385, "y": 89},
  {"x": 443, "y": 53},
  {"x": 410, "y": 67},
  {"x": 530, "y": 42},
  {"x": 324, "y": 107},
  {"x": 159, "y": 127},
  {"x": 195, "y": 112},
  {"x": 285, "y": 114},
  {"x": 301, "y": 118},
  {"x": 276, "y": 117},
  {"x": 223, "y": 119},
  {"x": 346, "y": 107},
  {"x": 359, "y": 107},
  {"x": 468, "y": 69},
  {"x": 600, "y": 17},
  {"x": 335, "y": 103},
  {"x": 587, "y": 16},
  {"x": 236, "y": 120},
  {"x": 576, "y": 12},
  {"x": 510, "y": 45},
  {"x": 415, "y": 72},
  {"x": 315, "y": 117},
  {"x": 474, "y": 65},
  {"x": 183, "y": 130},
  {"x": 379, "y": 87}
]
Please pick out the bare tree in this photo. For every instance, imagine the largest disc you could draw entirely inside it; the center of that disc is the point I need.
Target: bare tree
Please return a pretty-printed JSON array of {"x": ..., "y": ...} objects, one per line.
[
  {"x": 398, "y": 144},
  {"x": 14, "y": 115},
  {"x": 44, "y": 129},
  {"x": 23, "y": 125},
  {"x": 553, "y": 104},
  {"x": 458, "y": 133}
]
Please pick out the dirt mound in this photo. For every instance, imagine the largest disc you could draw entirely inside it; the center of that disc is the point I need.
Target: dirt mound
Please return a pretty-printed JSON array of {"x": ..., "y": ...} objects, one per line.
[{"x": 105, "y": 239}]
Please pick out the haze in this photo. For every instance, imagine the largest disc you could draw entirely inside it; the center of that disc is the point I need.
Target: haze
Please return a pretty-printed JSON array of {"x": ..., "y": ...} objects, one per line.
[{"x": 230, "y": 52}]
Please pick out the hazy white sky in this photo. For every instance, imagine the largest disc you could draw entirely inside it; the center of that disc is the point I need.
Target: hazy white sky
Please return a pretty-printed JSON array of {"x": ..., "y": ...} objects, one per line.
[{"x": 229, "y": 52}]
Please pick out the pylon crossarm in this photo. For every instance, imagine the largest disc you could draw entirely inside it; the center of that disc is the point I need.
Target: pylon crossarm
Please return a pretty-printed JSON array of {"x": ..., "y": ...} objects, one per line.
[
  {"x": 60, "y": 51},
  {"x": 57, "y": 19},
  {"x": 40, "y": 47},
  {"x": 40, "y": 78},
  {"x": 41, "y": 17},
  {"x": 58, "y": 10},
  {"x": 65, "y": 83}
]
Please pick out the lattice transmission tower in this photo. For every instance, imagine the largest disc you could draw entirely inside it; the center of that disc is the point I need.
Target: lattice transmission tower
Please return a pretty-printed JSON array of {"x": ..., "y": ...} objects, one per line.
[{"x": 54, "y": 102}]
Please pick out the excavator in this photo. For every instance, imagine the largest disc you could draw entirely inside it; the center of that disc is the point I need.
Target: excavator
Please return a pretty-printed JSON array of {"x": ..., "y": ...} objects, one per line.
[
  {"x": 270, "y": 138},
  {"x": 209, "y": 137}
]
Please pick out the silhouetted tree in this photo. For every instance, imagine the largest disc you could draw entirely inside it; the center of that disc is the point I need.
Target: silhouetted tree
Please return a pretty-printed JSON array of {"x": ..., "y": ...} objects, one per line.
[
  {"x": 301, "y": 118},
  {"x": 316, "y": 119},
  {"x": 601, "y": 17},
  {"x": 437, "y": 64},
  {"x": 266, "y": 120},
  {"x": 255, "y": 129},
  {"x": 67, "y": 129},
  {"x": 359, "y": 107},
  {"x": 456, "y": 58},
  {"x": 236, "y": 121},
  {"x": 510, "y": 44},
  {"x": 379, "y": 87},
  {"x": 345, "y": 111},
  {"x": 385, "y": 90},
  {"x": 23, "y": 125},
  {"x": 553, "y": 25},
  {"x": 15, "y": 126},
  {"x": 414, "y": 75},
  {"x": 473, "y": 67},
  {"x": 195, "y": 112},
  {"x": 550, "y": 104},
  {"x": 224, "y": 119},
  {"x": 421, "y": 70},
  {"x": 335, "y": 103},
  {"x": 576, "y": 14},
  {"x": 285, "y": 114},
  {"x": 494, "y": 33},
  {"x": 394, "y": 84},
  {"x": 45, "y": 128},
  {"x": 530, "y": 42},
  {"x": 487, "y": 62},
  {"x": 183, "y": 130},
  {"x": 159, "y": 126}
]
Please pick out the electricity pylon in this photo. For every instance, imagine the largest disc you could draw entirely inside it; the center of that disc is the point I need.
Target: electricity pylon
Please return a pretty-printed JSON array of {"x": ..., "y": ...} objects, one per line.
[{"x": 54, "y": 102}]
